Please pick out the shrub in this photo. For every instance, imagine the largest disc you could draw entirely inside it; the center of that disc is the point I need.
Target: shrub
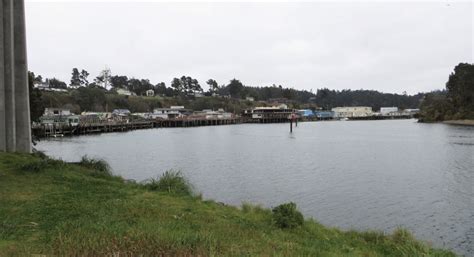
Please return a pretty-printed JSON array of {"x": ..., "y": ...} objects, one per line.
[
  {"x": 38, "y": 165},
  {"x": 100, "y": 167},
  {"x": 287, "y": 216},
  {"x": 172, "y": 182},
  {"x": 39, "y": 154},
  {"x": 402, "y": 236},
  {"x": 34, "y": 166}
]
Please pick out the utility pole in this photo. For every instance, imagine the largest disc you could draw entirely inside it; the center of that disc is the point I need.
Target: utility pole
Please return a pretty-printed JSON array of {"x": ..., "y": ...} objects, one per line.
[{"x": 15, "y": 127}]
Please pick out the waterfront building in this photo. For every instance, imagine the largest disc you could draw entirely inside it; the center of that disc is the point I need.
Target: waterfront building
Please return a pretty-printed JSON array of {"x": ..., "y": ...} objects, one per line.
[
  {"x": 170, "y": 113},
  {"x": 412, "y": 111},
  {"x": 121, "y": 112},
  {"x": 55, "y": 116},
  {"x": 95, "y": 117},
  {"x": 324, "y": 115},
  {"x": 386, "y": 111},
  {"x": 306, "y": 113},
  {"x": 212, "y": 115},
  {"x": 279, "y": 113},
  {"x": 354, "y": 111}
]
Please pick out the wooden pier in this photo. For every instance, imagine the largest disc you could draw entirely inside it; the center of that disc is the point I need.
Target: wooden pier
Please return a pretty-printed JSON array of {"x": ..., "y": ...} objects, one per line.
[
  {"x": 394, "y": 117},
  {"x": 60, "y": 130},
  {"x": 192, "y": 122}
]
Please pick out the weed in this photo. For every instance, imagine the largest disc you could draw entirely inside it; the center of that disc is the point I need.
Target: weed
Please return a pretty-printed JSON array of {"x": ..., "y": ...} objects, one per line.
[
  {"x": 287, "y": 216},
  {"x": 172, "y": 182},
  {"x": 99, "y": 167}
]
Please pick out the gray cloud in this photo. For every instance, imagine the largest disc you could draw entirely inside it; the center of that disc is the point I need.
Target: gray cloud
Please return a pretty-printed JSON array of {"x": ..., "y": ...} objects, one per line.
[{"x": 391, "y": 47}]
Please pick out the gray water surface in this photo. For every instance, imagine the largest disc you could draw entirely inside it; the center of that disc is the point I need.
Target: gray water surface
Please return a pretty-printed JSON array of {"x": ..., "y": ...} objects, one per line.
[{"x": 352, "y": 175}]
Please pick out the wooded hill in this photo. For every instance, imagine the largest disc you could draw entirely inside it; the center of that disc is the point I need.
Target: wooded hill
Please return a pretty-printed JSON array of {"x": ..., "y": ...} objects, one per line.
[{"x": 456, "y": 102}]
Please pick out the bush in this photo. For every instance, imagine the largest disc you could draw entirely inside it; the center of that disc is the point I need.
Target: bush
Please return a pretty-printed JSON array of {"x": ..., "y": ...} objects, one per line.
[
  {"x": 172, "y": 182},
  {"x": 38, "y": 165},
  {"x": 100, "y": 167},
  {"x": 39, "y": 154},
  {"x": 34, "y": 166},
  {"x": 402, "y": 236},
  {"x": 287, "y": 216}
]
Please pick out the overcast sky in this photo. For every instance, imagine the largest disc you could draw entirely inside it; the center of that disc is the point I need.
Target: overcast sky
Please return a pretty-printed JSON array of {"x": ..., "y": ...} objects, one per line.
[{"x": 390, "y": 47}]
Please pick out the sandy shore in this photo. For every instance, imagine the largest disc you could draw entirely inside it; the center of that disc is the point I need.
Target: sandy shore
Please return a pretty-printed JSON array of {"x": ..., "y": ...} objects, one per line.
[{"x": 460, "y": 122}]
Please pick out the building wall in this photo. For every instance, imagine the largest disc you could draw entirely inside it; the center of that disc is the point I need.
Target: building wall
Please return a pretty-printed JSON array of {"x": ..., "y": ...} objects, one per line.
[
  {"x": 387, "y": 110},
  {"x": 355, "y": 111}
]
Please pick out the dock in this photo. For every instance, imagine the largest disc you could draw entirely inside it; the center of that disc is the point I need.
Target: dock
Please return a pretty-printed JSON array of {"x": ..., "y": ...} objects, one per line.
[{"x": 60, "y": 130}]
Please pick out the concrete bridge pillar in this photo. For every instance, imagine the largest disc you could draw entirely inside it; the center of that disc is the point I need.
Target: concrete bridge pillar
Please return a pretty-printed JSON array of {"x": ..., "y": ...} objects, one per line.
[{"x": 15, "y": 128}]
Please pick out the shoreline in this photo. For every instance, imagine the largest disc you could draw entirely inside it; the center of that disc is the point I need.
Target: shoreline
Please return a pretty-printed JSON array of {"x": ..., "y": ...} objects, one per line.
[
  {"x": 49, "y": 213},
  {"x": 459, "y": 122}
]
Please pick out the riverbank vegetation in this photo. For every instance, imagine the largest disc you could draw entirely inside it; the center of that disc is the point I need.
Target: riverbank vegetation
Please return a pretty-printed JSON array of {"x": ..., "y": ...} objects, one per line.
[
  {"x": 456, "y": 102},
  {"x": 55, "y": 208}
]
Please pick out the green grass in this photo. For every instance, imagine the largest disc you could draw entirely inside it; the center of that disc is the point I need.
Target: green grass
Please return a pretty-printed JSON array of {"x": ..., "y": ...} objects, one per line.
[{"x": 54, "y": 208}]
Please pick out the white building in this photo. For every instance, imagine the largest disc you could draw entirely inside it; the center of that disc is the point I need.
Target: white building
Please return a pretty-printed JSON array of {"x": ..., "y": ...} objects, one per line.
[
  {"x": 121, "y": 112},
  {"x": 211, "y": 114},
  {"x": 122, "y": 91},
  {"x": 58, "y": 116},
  {"x": 57, "y": 112},
  {"x": 385, "y": 111},
  {"x": 41, "y": 85},
  {"x": 354, "y": 111},
  {"x": 169, "y": 113},
  {"x": 412, "y": 111},
  {"x": 150, "y": 92}
]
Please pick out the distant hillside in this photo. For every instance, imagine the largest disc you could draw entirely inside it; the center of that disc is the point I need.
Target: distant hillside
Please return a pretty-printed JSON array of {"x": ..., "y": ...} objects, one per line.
[
  {"x": 327, "y": 99},
  {"x": 232, "y": 97}
]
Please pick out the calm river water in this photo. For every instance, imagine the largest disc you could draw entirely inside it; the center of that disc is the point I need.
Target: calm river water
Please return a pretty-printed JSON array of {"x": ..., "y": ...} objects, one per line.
[{"x": 347, "y": 174}]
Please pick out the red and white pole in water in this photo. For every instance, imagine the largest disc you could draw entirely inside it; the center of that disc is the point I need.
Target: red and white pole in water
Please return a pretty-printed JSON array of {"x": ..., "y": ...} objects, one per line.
[{"x": 292, "y": 118}]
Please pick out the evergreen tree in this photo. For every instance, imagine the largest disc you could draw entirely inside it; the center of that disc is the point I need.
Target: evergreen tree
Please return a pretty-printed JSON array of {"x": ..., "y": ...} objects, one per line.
[{"x": 75, "y": 78}]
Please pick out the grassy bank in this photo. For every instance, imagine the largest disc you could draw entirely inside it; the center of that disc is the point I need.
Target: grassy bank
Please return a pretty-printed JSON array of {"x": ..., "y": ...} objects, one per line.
[{"x": 49, "y": 207}]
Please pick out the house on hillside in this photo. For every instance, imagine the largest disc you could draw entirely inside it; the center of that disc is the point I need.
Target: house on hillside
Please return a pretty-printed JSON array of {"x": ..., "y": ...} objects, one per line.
[
  {"x": 57, "y": 112},
  {"x": 150, "y": 92},
  {"x": 41, "y": 85},
  {"x": 122, "y": 91}
]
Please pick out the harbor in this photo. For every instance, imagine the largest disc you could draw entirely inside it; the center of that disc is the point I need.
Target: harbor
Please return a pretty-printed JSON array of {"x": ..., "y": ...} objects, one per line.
[{"x": 59, "y": 122}]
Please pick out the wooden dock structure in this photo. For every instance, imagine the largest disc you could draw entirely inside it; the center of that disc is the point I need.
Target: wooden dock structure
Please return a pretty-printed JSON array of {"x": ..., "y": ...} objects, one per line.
[{"x": 60, "y": 130}]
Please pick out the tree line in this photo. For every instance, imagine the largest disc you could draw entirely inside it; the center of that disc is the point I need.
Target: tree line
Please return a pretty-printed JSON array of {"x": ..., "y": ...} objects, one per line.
[{"x": 456, "y": 101}]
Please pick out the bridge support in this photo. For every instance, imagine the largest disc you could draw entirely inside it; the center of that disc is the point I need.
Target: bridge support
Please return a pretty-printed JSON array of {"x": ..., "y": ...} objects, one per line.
[{"x": 15, "y": 127}]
